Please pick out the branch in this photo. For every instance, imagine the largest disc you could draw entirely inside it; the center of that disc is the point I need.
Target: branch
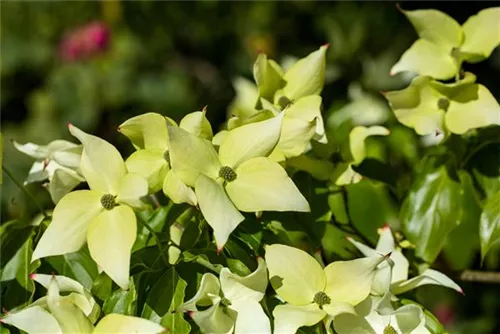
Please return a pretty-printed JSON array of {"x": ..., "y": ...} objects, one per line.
[
  {"x": 25, "y": 191},
  {"x": 157, "y": 239},
  {"x": 480, "y": 276}
]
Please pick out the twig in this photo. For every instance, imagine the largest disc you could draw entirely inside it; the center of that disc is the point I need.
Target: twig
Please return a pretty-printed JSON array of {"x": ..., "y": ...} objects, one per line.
[
  {"x": 158, "y": 242},
  {"x": 480, "y": 276},
  {"x": 201, "y": 261},
  {"x": 25, "y": 191}
]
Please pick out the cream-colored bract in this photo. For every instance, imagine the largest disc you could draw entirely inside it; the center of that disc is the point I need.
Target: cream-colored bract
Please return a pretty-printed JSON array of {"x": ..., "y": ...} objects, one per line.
[
  {"x": 81, "y": 217},
  {"x": 399, "y": 276},
  {"x": 431, "y": 107},
  {"x": 260, "y": 184},
  {"x": 312, "y": 292},
  {"x": 443, "y": 44},
  {"x": 58, "y": 162},
  {"x": 233, "y": 302}
]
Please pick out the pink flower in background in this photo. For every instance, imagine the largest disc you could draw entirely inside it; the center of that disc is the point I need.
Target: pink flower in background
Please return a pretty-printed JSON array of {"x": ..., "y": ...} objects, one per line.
[
  {"x": 445, "y": 314},
  {"x": 85, "y": 42}
]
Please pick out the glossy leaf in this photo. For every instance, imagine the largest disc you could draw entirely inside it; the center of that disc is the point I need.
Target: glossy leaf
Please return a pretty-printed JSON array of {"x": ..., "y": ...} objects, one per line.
[
  {"x": 121, "y": 301},
  {"x": 429, "y": 212},
  {"x": 489, "y": 226}
]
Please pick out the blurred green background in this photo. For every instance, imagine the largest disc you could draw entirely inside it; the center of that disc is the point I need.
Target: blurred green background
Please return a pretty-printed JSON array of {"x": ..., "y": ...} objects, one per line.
[{"x": 177, "y": 57}]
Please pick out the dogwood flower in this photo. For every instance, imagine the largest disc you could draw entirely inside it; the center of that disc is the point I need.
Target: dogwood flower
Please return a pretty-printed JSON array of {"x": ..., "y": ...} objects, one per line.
[
  {"x": 433, "y": 108},
  {"x": 74, "y": 312},
  {"x": 102, "y": 216},
  {"x": 343, "y": 173},
  {"x": 312, "y": 293},
  {"x": 443, "y": 44},
  {"x": 239, "y": 177},
  {"x": 233, "y": 302},
  {"x": 399, "y": 273},
  {"x": 148, "y": 133},
  {"x": 369, "y": 319},
  {"x": 295, "y": 92},
  {"x": 56, "y": 162}
]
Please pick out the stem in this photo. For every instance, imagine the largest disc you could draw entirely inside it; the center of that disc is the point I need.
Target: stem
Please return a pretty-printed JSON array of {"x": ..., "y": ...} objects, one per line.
[
  {"x": 480, "y": 276},
  {"x": 478, "y": 148},
  {"x": 25, "y": 191},
  {"x": 206, "y": 264},
  {"x": 158, "y": 242},
  {"x": 155, "y": 201}
]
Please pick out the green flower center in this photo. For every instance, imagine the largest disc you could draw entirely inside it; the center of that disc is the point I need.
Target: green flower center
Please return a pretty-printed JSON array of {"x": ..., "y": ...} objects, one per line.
[
  {"x": 389, "y": 330},
  {"x": 108, "y": 201},
  {"x": 321, "y": 298},
  {"x": 443, "y": 104},
  {"x": 227, "y": 173},
  {"x": 166, "y": 156}
]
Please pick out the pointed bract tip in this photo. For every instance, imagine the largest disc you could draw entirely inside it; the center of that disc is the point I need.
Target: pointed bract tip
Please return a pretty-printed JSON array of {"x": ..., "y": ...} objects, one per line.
[
  {"x": 166, "y": 329},
  {"x": 190, "y": 314},
  {"x": 118, "y": 129},
  {"x": 326, "y": 45},
  {"x": 348, "y": 238},
  {"x": 398, "y": 7},
  {"x": 386, "y": 227},
  {"x": 388, "y": 255},
  {"x": 204, "y": 110},
  {"x": 4, "y": 310},
  {"x": 219, "y": 249},
  {"x": 70, "y": 125},
  {"x": 461, "y": 291},
  {"x": 392, "y": 73},
  {"x": 383, "y": 92},
  {"x": 32, "y": 275}
]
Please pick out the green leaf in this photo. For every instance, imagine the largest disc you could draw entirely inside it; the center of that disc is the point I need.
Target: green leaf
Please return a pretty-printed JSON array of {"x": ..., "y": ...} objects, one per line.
[
  {"x": 165, "y": 297},
  {"x": 13, "y": 235},
  {"x": 462, "y": 243},
  {"x": 156, "y": 221},
  {"x": 489, "y": 225},
  {"x": 430, "y": 212},
  {"x": 19, "y": 267},
  {"x": 122, "y": 301},
  {"x": 101, "y": 288},
  {"x": 78, "y": 265},
  {"x": 370, "y": 207},
  {"x": 484, "y": 165}
]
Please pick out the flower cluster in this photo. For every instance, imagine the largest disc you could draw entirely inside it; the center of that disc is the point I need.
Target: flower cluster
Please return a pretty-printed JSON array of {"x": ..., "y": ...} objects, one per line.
[{"x": 238, "y": 173}]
